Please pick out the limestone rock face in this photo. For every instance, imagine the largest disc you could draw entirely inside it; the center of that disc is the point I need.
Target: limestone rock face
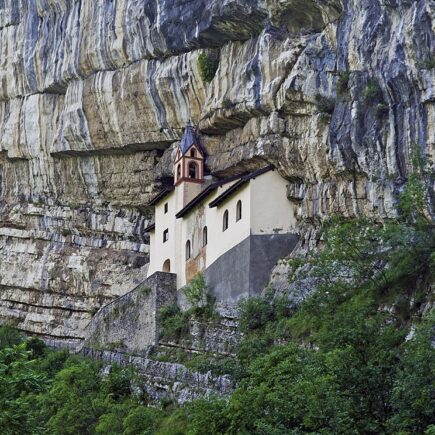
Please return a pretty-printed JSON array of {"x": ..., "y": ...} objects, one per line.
[{"x": 95, "y": 94}]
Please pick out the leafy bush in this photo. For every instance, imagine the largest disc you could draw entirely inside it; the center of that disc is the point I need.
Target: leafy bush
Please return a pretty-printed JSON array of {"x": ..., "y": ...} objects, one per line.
[
  {"x": 36, "y": 346},
  {"x": 343, "y": 83},
  {"x": 174, "y": 323},
  {"x": 117, "y": 382},
  {"x": 372, "y": 92},
  {"x": 53, "y": 362},
  {"x": 9, "y": 336},
  {"x": 255, "y": 313},
  {"x": 207, "y": 413},
  {"x": 200, "y": 300},
  {"x": 428, "y": 63},
  {"x": 71, "y": 402},
  {"x": 208, "y": 65},
  {"x": 196, "y": 291},
  {"x": 325, "y": 105},
  {"x": 142, "y": 420}
]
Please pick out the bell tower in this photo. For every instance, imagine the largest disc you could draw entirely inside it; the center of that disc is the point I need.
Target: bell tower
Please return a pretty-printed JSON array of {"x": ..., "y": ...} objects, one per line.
[{"x": 188, "y": 167}]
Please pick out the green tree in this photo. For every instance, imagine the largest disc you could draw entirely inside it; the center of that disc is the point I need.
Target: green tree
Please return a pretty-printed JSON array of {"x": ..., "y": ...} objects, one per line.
[
  {"x": 414, "y": 389},
  {"x": 73, "y": 404},
  {"x": 20, "y": 384}
]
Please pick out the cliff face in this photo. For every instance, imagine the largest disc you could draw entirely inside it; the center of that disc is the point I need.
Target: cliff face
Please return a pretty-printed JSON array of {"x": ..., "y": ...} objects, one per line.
[{"x": 94, "y": 96}]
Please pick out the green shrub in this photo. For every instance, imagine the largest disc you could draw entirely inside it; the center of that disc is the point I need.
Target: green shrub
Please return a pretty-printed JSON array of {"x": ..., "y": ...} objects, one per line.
[
  {"x": 36, "y": 346},
  {"x": 428, "y": 63},
  {"x": 196, "y": 291},
  {"x": 255, "y": 313},
  {"x": 208, "y": 65},
  {"x": 53, "y": 362},
  {"x": 71, "y": 405},
  {"x": 111, "y": 423},
  {"x": 117, "y": 382},
  {"x": 142, "y": 420},
  {"x": 325, "y": 105},
  {"x": 174, "y": 323},
  {"x": 175, "y": 423},
  {"x": 200, "y": 300},
  {"x": 207, "y": 416},
  {"x": 372, "y": 92},
  {"x": 342, "y": 86},
  {"x": 9, "y": 336}
]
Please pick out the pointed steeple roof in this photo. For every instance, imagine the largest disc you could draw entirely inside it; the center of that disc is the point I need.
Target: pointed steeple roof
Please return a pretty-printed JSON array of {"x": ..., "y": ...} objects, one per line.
[{"x": 189, "y": 138}]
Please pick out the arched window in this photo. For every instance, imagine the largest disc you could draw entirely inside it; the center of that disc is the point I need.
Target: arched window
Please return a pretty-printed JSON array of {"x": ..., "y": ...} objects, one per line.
[
  {"x": 178, "y": 172},
  {"x": 192, "y": 170},
  {"x": 225, "y": 221},
  {"x": 167, "y": 266},
  {"x": 204, "y": 237},
  {"x": 239, "y": 210},
  {"x": 188, "y": 250},
  {"x": 192, "y": 152}
]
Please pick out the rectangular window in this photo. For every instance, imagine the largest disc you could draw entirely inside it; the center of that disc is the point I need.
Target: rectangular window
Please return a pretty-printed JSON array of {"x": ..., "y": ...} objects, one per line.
[
  {"x": 166, "y": 207},
  {"x": 165, "y": 235}
]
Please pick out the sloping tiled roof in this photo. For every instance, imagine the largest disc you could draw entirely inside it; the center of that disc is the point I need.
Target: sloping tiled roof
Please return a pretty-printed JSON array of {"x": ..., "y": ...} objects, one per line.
[
  {"x": 236, "y": 186},
  {"x": 242, "y": 179},
  {"x": 201, "y": 196}
]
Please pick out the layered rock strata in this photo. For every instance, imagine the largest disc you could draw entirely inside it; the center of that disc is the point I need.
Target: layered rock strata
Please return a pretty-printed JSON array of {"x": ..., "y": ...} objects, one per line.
[{"x": 94, "y": 95}]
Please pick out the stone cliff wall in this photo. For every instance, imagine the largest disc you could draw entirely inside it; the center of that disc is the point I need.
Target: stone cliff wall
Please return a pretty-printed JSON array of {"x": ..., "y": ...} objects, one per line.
[{"x": 94, "y": 94}]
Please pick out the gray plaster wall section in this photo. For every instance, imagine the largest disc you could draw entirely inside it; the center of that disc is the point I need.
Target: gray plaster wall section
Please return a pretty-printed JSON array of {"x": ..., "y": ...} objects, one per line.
[
  {"x": 130, "y": 322},
  {"x": 228, "y": 277},
  {"x": 265, "y": 251},
  {"x": 245, "y": 269}
]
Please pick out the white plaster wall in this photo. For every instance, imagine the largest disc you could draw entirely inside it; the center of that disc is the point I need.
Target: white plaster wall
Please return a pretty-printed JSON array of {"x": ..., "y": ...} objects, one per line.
[
  {"x": 271, "y": 211},
  {"x": 160, "y": 251},
  {"x": 220, "y": 241}
]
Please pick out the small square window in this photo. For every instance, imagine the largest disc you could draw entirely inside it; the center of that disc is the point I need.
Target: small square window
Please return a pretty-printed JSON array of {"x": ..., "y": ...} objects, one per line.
[
  {"x": 165, "y": 235},
  {"x": 166, "y": 207}
]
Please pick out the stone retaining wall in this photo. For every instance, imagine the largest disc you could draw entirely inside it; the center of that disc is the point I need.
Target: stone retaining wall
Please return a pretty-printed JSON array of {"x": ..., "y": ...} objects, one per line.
[{"x": 131, "y": 322}]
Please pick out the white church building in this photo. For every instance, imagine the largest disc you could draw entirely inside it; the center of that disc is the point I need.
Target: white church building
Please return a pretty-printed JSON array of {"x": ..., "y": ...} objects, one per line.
[{"x": 234, "y": 230}]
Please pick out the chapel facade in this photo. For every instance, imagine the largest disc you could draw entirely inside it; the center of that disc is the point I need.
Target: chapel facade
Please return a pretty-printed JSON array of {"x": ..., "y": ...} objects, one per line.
[{"x": 234, "y": 230}]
